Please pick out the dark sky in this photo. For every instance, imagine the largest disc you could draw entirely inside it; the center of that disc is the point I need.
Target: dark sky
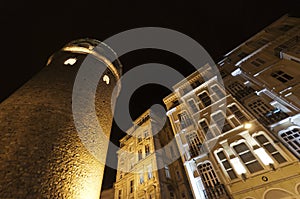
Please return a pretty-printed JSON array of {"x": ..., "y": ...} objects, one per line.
[{"x": 32, "y": 32}]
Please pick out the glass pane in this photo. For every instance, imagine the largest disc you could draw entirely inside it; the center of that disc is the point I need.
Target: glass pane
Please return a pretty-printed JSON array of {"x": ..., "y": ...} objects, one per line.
[
  {"x": 279, "y": 158},
  {"x": 254, "y": 167}
]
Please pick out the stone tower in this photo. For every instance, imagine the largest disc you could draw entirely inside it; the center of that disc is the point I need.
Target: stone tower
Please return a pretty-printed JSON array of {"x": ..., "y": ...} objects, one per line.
[{"x": 46, "y": 152}]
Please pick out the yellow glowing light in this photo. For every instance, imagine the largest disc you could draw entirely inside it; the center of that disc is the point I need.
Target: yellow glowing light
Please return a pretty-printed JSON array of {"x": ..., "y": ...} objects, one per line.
[
  {"x": 106, "y": 79},
  {"x": 247, "y": 125},
  {"x": 70, "y": 61},
  {"x": 263, "y": 156}
]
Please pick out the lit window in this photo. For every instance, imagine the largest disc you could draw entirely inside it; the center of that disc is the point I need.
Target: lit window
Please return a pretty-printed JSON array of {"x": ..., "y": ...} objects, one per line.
[
  {"x": 194, "y": 144},
  {"x": 205, "y": 99},
  {"x": 226, "y": 165},
  {"x": 218, "y": 91},
  {"x": 167, "y": 172},
  {"x": 150, "y": 172},
  {"x": 247, "y": 158},
  {"x": 237, "y": 112},
  {"x": 266, "y": 144},
  {"x": 120, "y": 194},
  {"x": 184, "y": 119},
  {"x": 239, "y": 91},
  {"x": 208, "y": 175},
  {"x": 193, "y": 106},
  {"x": 221, "y": 122},
  {"x": 70, "y": 61},
  {"x": 140, "y": 155},
  {"x": 147, "y": 149}
]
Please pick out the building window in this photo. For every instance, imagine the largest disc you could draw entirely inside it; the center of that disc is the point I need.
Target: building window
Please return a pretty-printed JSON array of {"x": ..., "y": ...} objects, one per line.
[
  {"x": 147, "y": 149},
  {"x": 265, "y": 113},
  {"x": 193, "y": 106},
  {"x": 120, "y": 194},
  {"x": 196, "y": 83},
  {"x": 140, "y": 138},
  {"x": 268, "y": 146},
  {"x": 131, "y": 188},
  {"x": 183, "y": 195},
  {"x": 288, "y": 44},
  {"x": 205, "y": 128},
  {"x": 292, "y": 139},
  {"x": 258, "y": 62},
  {"x": 208, "y": 174},
  {"x": 247, "y": 158},
  {"x": 237, "y": 112},
  {"x": 194, "y": 144},
  {"x": 226, "y": 165},
  {"x": 217, "y": 91},
  {"x": 242, "y": 55},
  {"x": 149, "y": 172},
  {"x": 281, "y": 76},
  {"x": 285, "y": 28},
  {"x": 140, "y": 154},
  {"x": 167, "y": 171},
  {"x": 205, "y": 99},
  {"x": 141, "y": 177},
  {"x": 146, "y": 134},
  {"x": 240, "y": 91},
  {"x": 178, "y": 175},
  {"x": 221, "y": 122},
  {"x": 184, "y": 119}
]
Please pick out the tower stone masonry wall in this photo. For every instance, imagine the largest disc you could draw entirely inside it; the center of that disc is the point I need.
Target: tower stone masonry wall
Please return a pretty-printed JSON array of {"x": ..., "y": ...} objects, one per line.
[{"x": 41, "y": 153}]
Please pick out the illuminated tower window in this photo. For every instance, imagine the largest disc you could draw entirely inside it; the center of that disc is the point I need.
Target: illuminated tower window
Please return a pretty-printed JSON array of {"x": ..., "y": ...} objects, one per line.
[
  {"x": 266, "y": 144},
  {"x": 247, "y": 158}
]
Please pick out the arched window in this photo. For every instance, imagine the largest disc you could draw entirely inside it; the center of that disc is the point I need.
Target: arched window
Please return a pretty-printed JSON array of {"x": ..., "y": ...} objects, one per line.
[
  {"x": 277, "y": 193},
  {"x": 247, "y": 157},
  {"x": 194, "y": 144},
  {"x": 208, "y": 174}
]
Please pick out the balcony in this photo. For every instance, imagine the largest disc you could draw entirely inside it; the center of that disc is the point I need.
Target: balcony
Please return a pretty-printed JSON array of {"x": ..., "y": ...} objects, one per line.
[{"x": 216, "y": 192}]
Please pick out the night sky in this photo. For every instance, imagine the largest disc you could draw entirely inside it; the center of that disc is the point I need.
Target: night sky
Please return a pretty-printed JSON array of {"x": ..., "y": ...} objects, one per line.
[{"x": 32, "y": 32}]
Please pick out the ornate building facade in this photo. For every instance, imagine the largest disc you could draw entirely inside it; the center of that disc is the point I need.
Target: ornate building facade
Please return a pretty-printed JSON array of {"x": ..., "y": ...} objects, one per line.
[
  {"x": 238, "y": 132},
  {"x": 146, "y": 165}
]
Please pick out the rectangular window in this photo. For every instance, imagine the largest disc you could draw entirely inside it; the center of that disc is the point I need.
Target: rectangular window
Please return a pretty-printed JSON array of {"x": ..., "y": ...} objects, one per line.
[
  {"x": 281, "y": 76},
  {"x": 131, "y": 188},
  {"x": 167, "y": 172},
  {"x": 266, "y": 144},
  {"x": 218, "y": 92},
  {"x": 226, "y": 164},
  {"x": 178, "y": 175},
  {"x": 205, "y": 129},
  {"x": 120, "y": 194},
  {"x": 292, "y": 139},
  {"x": 146, "y": 134},
  {"x": 150, "y": 172},
  {"x": 205, "y": 99},
  {"x": 237, "y": 112},
  {"x": 242, "y": 55},
  {"x": 141, "y": 177},
  {"x": 147, "y": 149},
  {"x": 140, "y": 155},
  {"x": 194, "y": 144},
  {"x": 193, "y": 106},
  {"x": 221, "y": 122},
  {"x": 248, "y": 158},
  {"x": 240, "y": 91}
]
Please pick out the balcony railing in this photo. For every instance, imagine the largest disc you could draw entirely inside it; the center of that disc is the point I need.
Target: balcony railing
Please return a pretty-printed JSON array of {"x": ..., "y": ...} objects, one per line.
[{"x": 216, "y": 192}]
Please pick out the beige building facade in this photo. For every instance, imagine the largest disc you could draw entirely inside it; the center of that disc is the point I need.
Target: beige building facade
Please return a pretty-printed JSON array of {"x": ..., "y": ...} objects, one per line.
[
  {"x": 149, "y": 164},
  {"x": 238, "y": 131}
]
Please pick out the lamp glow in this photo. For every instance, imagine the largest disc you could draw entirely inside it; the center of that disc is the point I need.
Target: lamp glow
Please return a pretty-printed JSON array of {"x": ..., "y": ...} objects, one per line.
[
  {"x": 238, "y": 166},
  {"x": 106, "y": 79},
  {"x": 247, "y": 125},
  {"x": 263, "y": 156}
]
